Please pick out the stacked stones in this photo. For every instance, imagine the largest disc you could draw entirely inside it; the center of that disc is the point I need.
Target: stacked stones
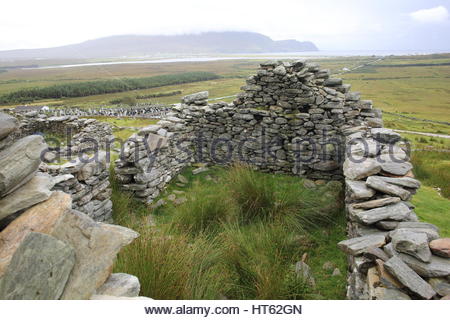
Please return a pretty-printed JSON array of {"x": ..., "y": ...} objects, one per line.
[
  {"x": 153, "y": 156},
  {"x": 47, "y": 249},
  {"x": 87, "y": 181},
  {"x": 391, "y": 254},
  {"x": 138, "y": 111},
  {"x": 288, "y": 119},
  {"x": 79, "y": 134}
]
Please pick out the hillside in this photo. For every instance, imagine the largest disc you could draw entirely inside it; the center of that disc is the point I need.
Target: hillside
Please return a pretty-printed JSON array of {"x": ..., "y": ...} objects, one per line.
[{"x": 142, "y": 45}]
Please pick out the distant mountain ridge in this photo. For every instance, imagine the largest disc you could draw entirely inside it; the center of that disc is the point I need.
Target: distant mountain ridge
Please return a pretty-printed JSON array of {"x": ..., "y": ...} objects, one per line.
[{"x": 142, "y": 45}]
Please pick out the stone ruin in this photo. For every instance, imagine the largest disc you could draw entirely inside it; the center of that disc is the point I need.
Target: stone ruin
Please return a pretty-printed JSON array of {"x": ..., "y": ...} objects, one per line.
[
  {"x": 293, "y": 118},
  {"x": 85, "y": 179},
  {"x": 48, "y": 250}
]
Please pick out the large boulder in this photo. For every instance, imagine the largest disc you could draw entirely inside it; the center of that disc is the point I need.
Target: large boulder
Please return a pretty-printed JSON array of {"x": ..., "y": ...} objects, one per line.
[
  {"x": 96, "y": 244},
  {"x": 38, "y": 270},
  {"x": 19, "y": 162},
  {"x": 41, "y": 218}
]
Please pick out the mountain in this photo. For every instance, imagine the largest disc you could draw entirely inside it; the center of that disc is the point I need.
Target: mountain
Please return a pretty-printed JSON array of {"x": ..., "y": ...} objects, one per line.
[{"x": 142, "y": 45}]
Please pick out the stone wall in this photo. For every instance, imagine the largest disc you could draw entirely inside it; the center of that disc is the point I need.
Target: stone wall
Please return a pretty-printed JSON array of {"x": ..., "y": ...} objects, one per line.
[
  {"x": 137, "y": 111},
  {"x": 47, "y": 249},
  {"x": 76, "y": 134},
  {"x": 85, "y": 178},
  {"x": 293, "y": 118},
  {"x": 88, "y": 184},
  {"x": 391, "y": 254},
  {"x": 289, "y": 119}
]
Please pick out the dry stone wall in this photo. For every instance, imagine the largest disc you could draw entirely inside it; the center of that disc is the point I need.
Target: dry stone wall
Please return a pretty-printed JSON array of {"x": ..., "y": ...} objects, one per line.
[
  {"x": 391, "y": 254},
  {"x": 293, "y": 118},
  {"x": 289, "y": 118},
  {"x": 85, "y": 178}
]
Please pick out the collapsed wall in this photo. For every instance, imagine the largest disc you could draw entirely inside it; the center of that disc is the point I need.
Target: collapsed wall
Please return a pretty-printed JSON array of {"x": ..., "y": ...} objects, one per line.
[{"x": 47, "y": 249}]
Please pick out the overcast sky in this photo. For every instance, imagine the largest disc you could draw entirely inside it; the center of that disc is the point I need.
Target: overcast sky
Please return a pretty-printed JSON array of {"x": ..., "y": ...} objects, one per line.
[{"x": 330, "y": 24}]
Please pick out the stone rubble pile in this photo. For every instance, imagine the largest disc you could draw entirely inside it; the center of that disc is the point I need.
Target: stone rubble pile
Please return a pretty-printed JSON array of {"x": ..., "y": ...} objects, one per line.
[
  {"x": 47, "y": 249},
  {"x": 391, "y": 254}
]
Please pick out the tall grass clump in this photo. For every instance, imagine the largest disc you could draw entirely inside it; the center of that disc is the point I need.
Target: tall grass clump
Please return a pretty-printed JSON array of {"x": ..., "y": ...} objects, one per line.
[
  {"x": 253, "y": 192},
  {"x": 261, "y": 262},
  {"x": 172, "y": 267},
  {"x": 206, "y": 209},
  {"x": 239, "y": 235}
]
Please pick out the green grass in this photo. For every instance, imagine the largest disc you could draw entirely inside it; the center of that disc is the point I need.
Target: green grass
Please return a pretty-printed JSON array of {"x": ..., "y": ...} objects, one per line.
[
  {"x": 433, "y": 208},
  {"x": 123, "y": 128},
  {"x": 215, "y": 246},
  {"x": 432, "y": 168}
]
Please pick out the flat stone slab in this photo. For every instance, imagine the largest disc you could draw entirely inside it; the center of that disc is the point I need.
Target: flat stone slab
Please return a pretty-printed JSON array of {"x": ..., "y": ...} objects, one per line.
[
  {"x": 440, "y": 285},
  {"x": 430, "y": 230},
  {"x": 359, "y": 190},
  {"x": 437, "y": 267},
  {"x": 195, "y": 97},
  {"x": 357, "y": 169},
  {"x": 357, "y": 246},
  {"x": 402, "y": 182},
  {"x": 412, "y": 243},
  {"x": 376, "y": 203},
  {"x": 441, "y": 247},
  {"x": 390, "y": 294},
  {"x": 396, "y": 168},
  {"x": 34, "y": 191},
  {"x": 19, "y": 162},
  {"x": 397, "y": 212},
  {"x": 409, "y": 278},
  {"x": 385, "y": 135},
  {"x": 375, "y": 183},
  {"x": 39, "y": 269}
]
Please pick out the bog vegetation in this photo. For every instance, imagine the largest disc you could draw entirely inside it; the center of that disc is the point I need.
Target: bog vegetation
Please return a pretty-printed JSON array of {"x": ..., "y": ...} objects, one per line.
[{"x": 238, "y": 235}]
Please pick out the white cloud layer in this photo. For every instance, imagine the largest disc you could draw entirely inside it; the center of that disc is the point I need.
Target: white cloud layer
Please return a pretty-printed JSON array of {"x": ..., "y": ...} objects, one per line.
[{"x": 437, "y": 14}]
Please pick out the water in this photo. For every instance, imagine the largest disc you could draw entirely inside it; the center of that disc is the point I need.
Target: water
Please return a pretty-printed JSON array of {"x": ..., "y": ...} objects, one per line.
[{"x": 256, "y": 56}]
